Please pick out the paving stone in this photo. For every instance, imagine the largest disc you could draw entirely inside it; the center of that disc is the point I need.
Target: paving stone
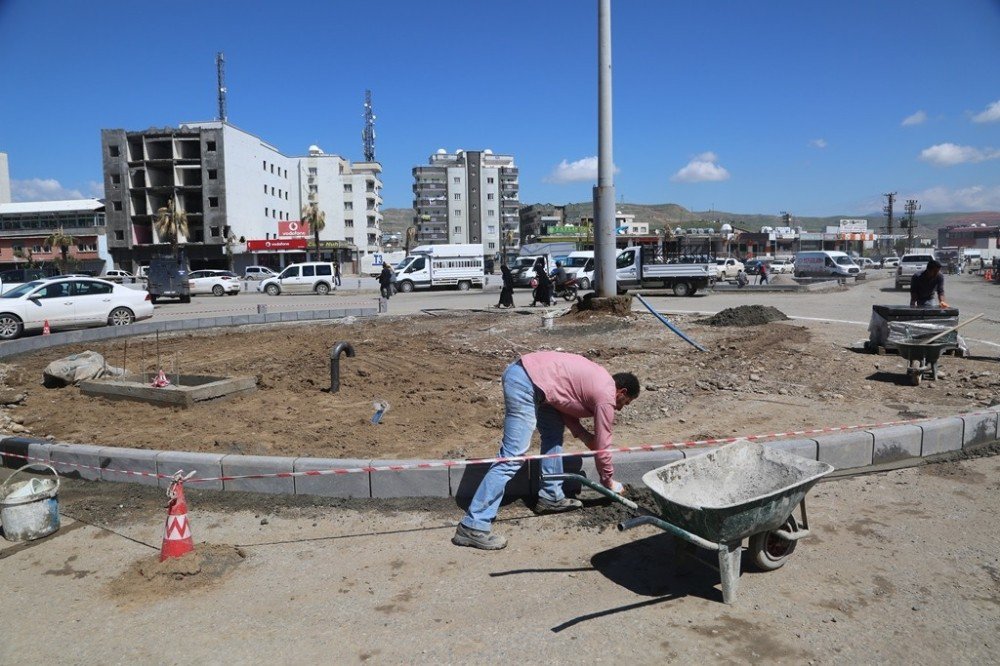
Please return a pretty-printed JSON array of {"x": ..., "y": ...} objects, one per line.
[
  {"x": 411, "y": 482},
  {"x": 129, "y": 460},
  {"x": 206, "y": 466},
  {"x": 74, "y": 455},
  {"x": 804, "y": 448},
  {"x": 896, "y": 443},
  {"x": 581, "y": 465},
  {"x": 846, "y": 450},
  {"x": 940, "y": 435},
  {"x": 979, "y": 428},
  {"x": 236, "y": 465},
  {"x": 357, "y": 484},
  {"x": 465, "y": 480}
]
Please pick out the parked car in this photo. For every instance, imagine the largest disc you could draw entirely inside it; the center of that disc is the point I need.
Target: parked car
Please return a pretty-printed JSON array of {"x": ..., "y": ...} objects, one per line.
[
  {"x": 728, "y": 268},
  {"x": 911, "y": 264},
  {"x": 218, "y": 283},
  {"x": 779, "y": 266},
  {"x": 117, "y": 275},
  {"x": 257, "y": 273},
  {"x": 866, "y": 263},
  {"x": 310, "y": 277},
  {"x": 890, "y": 262},
  {"x": 70, "y": 303}
]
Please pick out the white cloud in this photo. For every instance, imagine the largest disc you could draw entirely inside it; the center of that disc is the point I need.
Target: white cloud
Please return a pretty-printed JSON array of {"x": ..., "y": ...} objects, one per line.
[
  {"x": 990, "y": 115},
  {"x": 966, "y": 199},
  {"x": 582, "y": 170},
  {"x": 950, "y": 154},
  {"x": 702, "y": 168},
  {"x": 917, "y": 118},
  {"x": 50, "y": 189},
  {"x": 818, "y": 143}
]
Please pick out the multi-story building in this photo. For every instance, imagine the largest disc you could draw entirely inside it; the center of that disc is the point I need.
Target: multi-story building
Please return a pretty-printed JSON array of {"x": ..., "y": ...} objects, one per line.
[
  {"x": 467, "y": 197},
  {"x": 25, "y": 229},
  {"x": 4, "y": 179},
  {"x": 241, "y": 196}
]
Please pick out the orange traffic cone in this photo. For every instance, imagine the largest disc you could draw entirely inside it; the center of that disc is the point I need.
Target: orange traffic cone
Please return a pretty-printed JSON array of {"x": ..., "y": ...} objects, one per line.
[
  {"x": 45, "y": 328},
  {"x": 177, "y": 539}
]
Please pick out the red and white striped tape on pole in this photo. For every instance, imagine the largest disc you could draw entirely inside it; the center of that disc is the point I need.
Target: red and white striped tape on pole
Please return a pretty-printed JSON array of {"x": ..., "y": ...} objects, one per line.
[{"x": 438, "y": 464}]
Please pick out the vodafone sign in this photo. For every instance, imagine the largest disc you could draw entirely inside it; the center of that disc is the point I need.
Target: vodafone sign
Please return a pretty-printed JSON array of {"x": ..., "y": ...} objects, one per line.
[
  {"x": 293, "y": 229},
  {"x": 276, "y": 244}
]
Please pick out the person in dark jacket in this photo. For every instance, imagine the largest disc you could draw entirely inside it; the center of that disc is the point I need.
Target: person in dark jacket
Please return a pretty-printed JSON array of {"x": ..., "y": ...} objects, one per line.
[
  {"x": 507, "y": 292},
  {"x": 385, "y": 280},
  {"x": 924, "y": 285},
  {"x": 543, "y": 292}
]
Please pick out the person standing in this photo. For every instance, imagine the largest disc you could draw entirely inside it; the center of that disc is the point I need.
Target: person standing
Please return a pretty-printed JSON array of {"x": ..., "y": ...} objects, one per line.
[
  {"x": 336, "y": 273},
  {"x": 543, "y": 291},
  {"x": 550, "y": 391},
  {"x": 925, "y": 285},
  {"x": 385, "y": 280},
  {"x": 763, "y": 272},
  {"x": 507, "y": 291}
]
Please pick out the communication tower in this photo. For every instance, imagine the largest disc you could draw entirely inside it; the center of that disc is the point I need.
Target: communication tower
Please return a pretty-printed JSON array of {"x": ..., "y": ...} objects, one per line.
[
  {"x": 368, "y": 133},
  {"x": 220, "y": 72}
]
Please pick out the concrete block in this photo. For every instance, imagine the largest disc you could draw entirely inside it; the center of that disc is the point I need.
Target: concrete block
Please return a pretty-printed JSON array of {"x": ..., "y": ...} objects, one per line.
[
  {"x": 411, "y": 482},
  {"x": 88, "y": 335},
  {"x": 71, "y": 337},
  {"x": 76, "y": 461},
  {"x": 289, "y": 316},
  {"x": 240, "y": 320},
  {"x": 219, "y": 322},
  {"x": 896, "y": 443},
  {"x": 207, "y": 465},
  {"x": 979, "y": 428},
  {"x": 465, "y": 480},
  {"x": 235, "y": 465},
  {"x": 356, "y": 484},
  {"x": 941, "y": 435},
  {"x": 24, "y": 450},
  {"x": 175, "y": 325},
  {"x": 582, "y": 465},
  {"x": 115, "y": 461},
  {"x": 272, "y": 317},
  {"x": 257, "y": 319},
  {"x": 846, "y": 450},
  {"x": 804, "y": 448},
  {"x": 629, "y": 467}
]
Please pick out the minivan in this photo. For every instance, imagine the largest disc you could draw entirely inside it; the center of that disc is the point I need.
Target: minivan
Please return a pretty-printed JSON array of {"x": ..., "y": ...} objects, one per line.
[
  {"x": 825, "y": 264},
  {"x": 309, "y": 277},
  {"x": 257, "y": 273}
]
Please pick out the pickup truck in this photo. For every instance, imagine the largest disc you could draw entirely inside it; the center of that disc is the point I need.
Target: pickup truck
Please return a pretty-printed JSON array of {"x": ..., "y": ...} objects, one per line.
[
  {"x": 910, "y": 265},
  {"x": 636, "y": 270},
  {"x": 728, "y": 269}
]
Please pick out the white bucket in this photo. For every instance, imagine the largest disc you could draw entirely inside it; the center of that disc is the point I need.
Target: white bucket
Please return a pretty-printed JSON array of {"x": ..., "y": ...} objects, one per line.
[{"x": 29, "y": 509}]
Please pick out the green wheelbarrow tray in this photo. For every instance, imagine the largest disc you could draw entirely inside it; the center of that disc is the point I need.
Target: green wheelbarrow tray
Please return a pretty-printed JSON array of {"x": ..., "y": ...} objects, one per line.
[
  {"x": 714, "y": 501},
  {"x": 922, "y": 357}
]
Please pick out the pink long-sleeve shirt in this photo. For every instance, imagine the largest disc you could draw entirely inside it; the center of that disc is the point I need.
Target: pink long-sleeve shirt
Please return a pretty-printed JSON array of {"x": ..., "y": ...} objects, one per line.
[{"x": 578, "y": 388}]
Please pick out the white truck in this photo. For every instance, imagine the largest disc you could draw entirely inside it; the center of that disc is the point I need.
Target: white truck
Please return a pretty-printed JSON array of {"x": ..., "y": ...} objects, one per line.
[
  {"x": 461, "y": 266},
  {"x": 911, "y": 264},
  {"x": 636, "y": 270}
]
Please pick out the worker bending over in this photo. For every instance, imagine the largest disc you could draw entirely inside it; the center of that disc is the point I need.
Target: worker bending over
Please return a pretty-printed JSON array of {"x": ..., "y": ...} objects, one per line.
[{"x": 925, "y": 285}]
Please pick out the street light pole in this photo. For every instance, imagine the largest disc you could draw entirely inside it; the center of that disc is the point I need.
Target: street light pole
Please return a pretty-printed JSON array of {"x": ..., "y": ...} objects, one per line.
[{"x": 604, "y": 193}]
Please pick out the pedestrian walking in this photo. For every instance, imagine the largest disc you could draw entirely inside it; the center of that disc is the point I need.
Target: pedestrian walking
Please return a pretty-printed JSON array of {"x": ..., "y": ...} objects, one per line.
[
  {"x": 543, "y": 290},
  {"x": 385, "y": 279},
  {"x": 507, "y": 291},
  {"x": 336, "y": 273},
  {"x": 764, "y": 274}
]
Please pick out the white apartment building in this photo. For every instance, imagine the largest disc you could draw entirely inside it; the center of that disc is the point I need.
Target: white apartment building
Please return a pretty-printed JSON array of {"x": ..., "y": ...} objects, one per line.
[
  {"x": 466, "y": 197},
  {"x": 232, "y": 185}
]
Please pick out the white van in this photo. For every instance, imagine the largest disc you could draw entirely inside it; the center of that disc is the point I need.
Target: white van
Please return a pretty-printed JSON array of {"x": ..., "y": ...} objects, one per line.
[
  {"x": 306, "y": 278},
  {"x": 825, "y": 264},
  {"x": 580, "y": 264}
]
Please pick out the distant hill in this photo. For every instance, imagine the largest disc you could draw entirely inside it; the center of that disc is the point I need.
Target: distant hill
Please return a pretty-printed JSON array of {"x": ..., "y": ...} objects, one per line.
[{"x": 672, "y": 215}]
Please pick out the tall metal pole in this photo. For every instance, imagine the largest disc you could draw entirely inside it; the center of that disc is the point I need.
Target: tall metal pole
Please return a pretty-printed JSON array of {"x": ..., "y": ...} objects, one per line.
[{"x": 604, "y": 193}]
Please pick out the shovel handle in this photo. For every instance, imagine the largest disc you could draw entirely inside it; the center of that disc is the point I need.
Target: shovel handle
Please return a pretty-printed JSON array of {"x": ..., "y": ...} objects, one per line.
[
  {"x": 593, "y": 485},
  {"x": 953, "y": 328}
]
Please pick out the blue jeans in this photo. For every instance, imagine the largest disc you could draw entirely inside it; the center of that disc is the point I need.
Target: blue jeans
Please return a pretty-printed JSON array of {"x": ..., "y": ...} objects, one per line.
[{"x": 521, "y": 416}]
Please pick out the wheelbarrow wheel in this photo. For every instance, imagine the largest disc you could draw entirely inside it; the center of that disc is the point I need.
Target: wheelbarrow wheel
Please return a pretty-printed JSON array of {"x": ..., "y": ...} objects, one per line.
[{"x": 770, "y": 551}]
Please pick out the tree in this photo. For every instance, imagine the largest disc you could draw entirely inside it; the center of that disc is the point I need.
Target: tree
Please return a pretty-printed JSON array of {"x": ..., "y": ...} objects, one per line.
[
  {"x": 411, "y": 234},
  {"x": 171, "y": 224},
  {"x": 63, "y": 241},
  {"x": 316, "y": 219}
]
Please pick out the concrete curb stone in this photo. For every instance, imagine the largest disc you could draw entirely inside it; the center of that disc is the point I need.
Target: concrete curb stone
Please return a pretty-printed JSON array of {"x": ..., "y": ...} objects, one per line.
[
  {"x": 130, "y": 460},
  {"x": 75, "y": 455},
  {"x": 205, "y": 465},
  {"x": 37, "y": 449},
  {"x": 979, "y": 428},
  {"x": 940, "y": 435},
  {"x": 804, "y": 448},
  {"x": 357, "y": 484},
  {"x": 463, "y": 481},
  {"x": 237, "y": 465},
  {"x": 412, "y": 483},
  {"x": 846, "y": 450},
  {"x": 896, "y": 443}
]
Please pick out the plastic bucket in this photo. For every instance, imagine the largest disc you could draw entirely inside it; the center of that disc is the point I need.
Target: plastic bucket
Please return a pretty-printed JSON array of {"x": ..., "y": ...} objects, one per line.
[{"x": 29, "y": 509}]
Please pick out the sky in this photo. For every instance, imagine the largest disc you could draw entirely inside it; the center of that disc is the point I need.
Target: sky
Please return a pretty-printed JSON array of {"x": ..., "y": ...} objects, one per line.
[{"x": 815, "y": 108}]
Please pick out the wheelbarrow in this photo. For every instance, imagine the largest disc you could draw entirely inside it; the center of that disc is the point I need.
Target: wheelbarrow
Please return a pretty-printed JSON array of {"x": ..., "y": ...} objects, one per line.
[
  {"x": 921, "y": 358},
  {"x": 744, "y": 490}
]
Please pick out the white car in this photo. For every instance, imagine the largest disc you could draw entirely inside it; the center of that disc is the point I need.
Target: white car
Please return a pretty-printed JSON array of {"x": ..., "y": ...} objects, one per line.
[
  {"x": 779, "y": 266},
  {"x": 119, "y": 276},
  {"x": 890, "y": 262},
  {"x": 312, "y": 277},
  {"x": 258, "y": 273},
  {"x": 218, "y": 283},
  {"x": 70, "y": 303}
]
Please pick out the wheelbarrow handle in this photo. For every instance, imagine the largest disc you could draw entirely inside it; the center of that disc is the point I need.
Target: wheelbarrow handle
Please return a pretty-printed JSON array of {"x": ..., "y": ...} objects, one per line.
[
  {"x": 671, "y": 529},
  {"x": 593, "y": 485}
]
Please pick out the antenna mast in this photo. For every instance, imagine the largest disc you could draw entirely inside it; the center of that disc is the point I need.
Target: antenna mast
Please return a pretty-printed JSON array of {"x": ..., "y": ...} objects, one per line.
[
  {"x": 368, "y": 133},
  {"x": 220, "y": 71},
  {"x": 887, "y": 209}
]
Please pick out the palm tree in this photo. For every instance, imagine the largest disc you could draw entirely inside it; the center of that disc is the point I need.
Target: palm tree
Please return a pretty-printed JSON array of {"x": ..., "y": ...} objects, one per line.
[
  {"x": 316, "y": 219},
  {"x": 63, "y": 241},
  {"x": 171, "y": 224},
  {"x": 411, "y": 234}
]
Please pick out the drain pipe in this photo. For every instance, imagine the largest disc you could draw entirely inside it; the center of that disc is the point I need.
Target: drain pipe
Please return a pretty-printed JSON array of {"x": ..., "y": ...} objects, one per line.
[{"x": 338, "y": 349}]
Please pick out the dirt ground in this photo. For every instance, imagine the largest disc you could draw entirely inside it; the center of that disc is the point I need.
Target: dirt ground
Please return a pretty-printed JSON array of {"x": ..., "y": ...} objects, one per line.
[{"x": 441, "y": 377}]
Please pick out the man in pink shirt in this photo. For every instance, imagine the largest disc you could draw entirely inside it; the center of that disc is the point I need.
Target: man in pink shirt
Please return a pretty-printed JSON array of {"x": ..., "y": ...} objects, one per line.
[{"x": 551, "y": 391}]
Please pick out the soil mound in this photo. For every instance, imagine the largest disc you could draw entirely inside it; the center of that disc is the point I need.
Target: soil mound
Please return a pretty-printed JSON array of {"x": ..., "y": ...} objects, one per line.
[
  {"x": 149, "y": 579},
  {"x": 745, "y": 315}
]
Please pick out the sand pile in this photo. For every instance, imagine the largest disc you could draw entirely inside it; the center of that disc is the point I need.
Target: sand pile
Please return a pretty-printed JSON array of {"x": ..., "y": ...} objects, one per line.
[{"x": 745, "y": 315}]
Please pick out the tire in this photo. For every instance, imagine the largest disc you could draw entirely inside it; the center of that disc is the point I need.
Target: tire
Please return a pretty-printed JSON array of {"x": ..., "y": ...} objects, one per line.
[
  {"x": 218, "y": 290},
  {"x": 322, "y": 288},
  {"x": 406, "y": 286},
  {"x": 11, "y": 327},
  {"x": 185, "y": 299},
  {"x": 272, "y": 289},
  {"x": 121, "y": 317},
  {"x": 152, "y": 299},
  {"x": 682, "y": 289},
  {"x": 585, "y": 284},
  {"x": 464, "y": 286},
  {"x": 770, "y": 552},
  {"x": 694, "y": 290},
  {"x": 569, "y": 293}
]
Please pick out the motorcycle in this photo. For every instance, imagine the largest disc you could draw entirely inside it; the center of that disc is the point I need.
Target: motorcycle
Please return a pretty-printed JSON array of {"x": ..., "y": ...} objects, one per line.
[{"x": 567, "y": 289}]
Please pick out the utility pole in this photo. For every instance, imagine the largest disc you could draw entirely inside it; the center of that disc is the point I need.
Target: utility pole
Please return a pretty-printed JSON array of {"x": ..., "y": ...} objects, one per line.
[
  {"x": 220, "y": 74},
  {"x": 891, "y": 196},
  {"x": 911, "y": 208},
  {"x": 368, "y": 133},
  {"x": 604, "y": 193}
]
